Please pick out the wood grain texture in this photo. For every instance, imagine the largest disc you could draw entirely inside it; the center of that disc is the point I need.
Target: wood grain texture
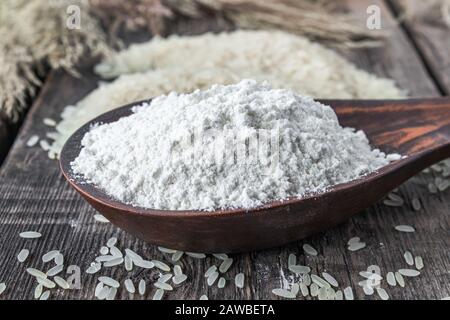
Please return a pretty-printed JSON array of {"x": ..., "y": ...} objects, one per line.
[
  {"x": 34, "y": 196},
  {"x": 431, "y": 36}
]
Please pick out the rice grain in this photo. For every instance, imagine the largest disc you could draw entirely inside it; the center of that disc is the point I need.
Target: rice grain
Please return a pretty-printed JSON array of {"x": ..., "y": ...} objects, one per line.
[{"x": 23, "y": 255}]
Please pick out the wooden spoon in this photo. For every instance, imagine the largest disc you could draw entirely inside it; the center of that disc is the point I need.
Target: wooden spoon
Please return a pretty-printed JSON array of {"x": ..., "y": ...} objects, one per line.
[{"x": 416, "y": 128}]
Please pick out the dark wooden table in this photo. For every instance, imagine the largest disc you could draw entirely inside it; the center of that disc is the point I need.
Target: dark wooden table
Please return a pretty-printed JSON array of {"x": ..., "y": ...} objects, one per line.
[{"x": 34, "y": 196}]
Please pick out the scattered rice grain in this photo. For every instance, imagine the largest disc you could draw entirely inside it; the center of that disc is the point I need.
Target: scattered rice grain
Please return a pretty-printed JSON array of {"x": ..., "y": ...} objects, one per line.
[
  {"x": 109, "y": 281},
  {"x": 404, "y": 228},
  {"x": 61, "y": 282},
  {"x": 308, "y": 249},
  {"x": 129, "y": 285},
  {"x": 30, "y": 235},
  {"x": 239, "y": 280},
  {"x": 158, "y": 294},
  {"x": 32, "y": 141},
  {"x": 23, "y": 255}
]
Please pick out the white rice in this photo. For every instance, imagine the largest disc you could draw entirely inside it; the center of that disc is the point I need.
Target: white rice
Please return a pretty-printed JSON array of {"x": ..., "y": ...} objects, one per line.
[
  {"x": 210, "y": 271},
  {"x": 165, "y": 277},
  {"x": 61, "y": 282},
  {"x": 292, "y": 260},
  {"x": 357, "y": 246},
  {"x": 177, "y": 270},
  {"x": 221, "y": 283},
  {"x": 32, "y": 141},
  {"x": 314, "y": 290},
  {"x": 38, "y": 291},
  {"x": 59, "y": 259},
  {"x": 220, "y": 256},
  {"x": 298, "y": 269},
  {"x": 109, "y": 281},
  {"x": 103, "y": 293},
  {"x": 178, "y": 279},
  {"x": 50, "y": 255},
  {"x": 166, "y": 250},
  {"x": 390, "y": 278},
  {"x": 177, "y": 256},
  {"x": 308, "y": 249},
  {"x": 160, "y": 265},
  {"x": 55, "y": 270},
  {"x": 100, "y": 218},
  {"x": 23, "y": 255},
  {"x": 142, "y": 287},
  {"x": 368, "y": 290},
  {"x": 2, "y": 287},
  {"x": 196, "y": 255},
  {"x": 307, "y": 279},
  {"x": 339, "y": 295},
  {"x": 105, "y": 258},
  {"x": 45, "y": 295},
  {"x": 129, "y": 285},
  {"x": 382, "y": 294},
  {"x": 304, "y": 289},
  {"x": 409, "y": 272},
  {"x": 98, "y": 288},
  {"x": 36, "y": 273},
  {"x": 416, "y": 204},
  {"x": 409, "y": 258},
  {"x": 204, "y": 297},
  {"x": 46, "y": 282},
  {"x": 330, "y": 279},
  {"x": 225, "y": 265},
  {"x": 128, "y": 263},
  {"x": 111, "y": 242},
  {"x": 146, "y": 264},
  {"x": 283, "y": 293},
  {"x": 113, "y": 262},
  {"x": 164, "y": 286},
  {"x": 104, "y": 250},
  {"x": 418, "y": 262},
  {"x": 111, "y": 293},
  {"x": 348, "y": 293},
  {"x": 115, "y": 251},
  {"x": 323, "y": 294},
  {"x": 30, "y": 234},
  {"x": 94, "y": 268},
  {"x": 319, "y": 281},
  {"x": 133, "y": 255},
  {"x": 404, "y": 228},
  {"x": 353, "y": 240},
  {"x": 239, "y": 280},
  {"x": 212, "y": 278},
  {"x": 400, "y": 280},
  {"x": 295, "y": 289},
  {"x": 158, "y": 294},
  {"x": 49, "y": 122}
]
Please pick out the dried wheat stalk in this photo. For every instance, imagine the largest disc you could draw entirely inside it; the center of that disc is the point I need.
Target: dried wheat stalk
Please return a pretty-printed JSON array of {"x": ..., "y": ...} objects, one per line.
[
  {"x": 35, "y": 37},
  {"x": 314, "y": 19}
]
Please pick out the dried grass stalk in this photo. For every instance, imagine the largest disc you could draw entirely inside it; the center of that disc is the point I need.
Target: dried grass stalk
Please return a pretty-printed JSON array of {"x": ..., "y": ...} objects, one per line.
[
  {"x": 132, "y": 15},
  {"x": 315, "y": 19},
  {"x": 35, "y": 37}
]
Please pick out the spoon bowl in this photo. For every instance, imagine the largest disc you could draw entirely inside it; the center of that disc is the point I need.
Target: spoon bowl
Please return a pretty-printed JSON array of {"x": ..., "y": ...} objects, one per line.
[{"x": 418, "y": 129}]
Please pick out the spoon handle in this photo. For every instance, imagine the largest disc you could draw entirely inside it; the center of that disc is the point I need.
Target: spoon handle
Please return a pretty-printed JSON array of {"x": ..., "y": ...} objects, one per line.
[{"x": 408, "y": 126}]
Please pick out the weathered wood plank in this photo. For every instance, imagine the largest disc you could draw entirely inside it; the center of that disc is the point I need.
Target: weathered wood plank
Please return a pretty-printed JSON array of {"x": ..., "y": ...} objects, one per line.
[
  {"x": 431, "y": 37},
  {"x": 34, "y": 196}
]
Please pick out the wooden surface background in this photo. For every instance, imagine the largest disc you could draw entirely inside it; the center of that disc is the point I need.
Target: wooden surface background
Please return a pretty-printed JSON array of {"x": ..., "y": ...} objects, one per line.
[{"x": 34, "y": 196}]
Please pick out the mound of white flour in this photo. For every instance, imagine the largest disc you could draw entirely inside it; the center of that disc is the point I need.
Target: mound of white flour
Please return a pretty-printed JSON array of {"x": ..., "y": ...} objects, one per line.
[{"x": 235, "y": 146}]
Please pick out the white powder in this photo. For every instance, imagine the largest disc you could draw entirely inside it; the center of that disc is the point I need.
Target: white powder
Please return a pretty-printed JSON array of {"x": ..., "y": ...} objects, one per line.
[
  {"x": 182, "y": 64},
  {"x": 169, "y": 154}
]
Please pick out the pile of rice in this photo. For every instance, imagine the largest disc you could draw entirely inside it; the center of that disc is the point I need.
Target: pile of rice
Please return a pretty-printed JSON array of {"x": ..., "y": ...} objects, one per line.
[{"x": 183, "y": 64}]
